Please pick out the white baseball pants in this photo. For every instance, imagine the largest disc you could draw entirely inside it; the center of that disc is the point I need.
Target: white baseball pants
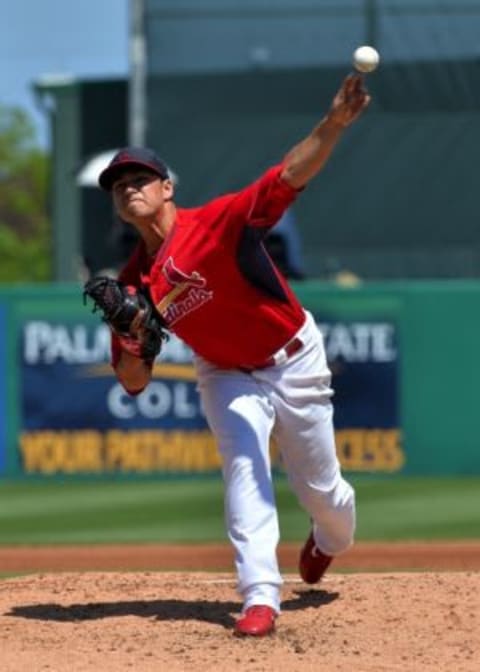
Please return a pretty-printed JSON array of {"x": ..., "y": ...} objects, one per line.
[{"x": 291, "y": 403}]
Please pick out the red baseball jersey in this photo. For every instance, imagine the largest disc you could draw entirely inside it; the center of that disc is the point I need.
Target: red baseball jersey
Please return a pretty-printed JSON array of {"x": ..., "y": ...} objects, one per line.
[{"x": 213, "y": 281}]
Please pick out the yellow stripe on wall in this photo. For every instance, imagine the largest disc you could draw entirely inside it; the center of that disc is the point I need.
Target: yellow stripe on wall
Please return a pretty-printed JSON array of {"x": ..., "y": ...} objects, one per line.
[{"x": 174, "y": 371}]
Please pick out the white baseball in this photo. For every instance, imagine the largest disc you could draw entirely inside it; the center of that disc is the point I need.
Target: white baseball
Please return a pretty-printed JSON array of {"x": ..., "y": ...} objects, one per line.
[{"x": 366, "y": 59}]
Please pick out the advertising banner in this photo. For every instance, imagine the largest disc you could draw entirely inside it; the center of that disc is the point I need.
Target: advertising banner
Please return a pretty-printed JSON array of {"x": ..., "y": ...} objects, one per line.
[
  {"x": 364, "y": 359},
  {"x": 77, "y": 419}
]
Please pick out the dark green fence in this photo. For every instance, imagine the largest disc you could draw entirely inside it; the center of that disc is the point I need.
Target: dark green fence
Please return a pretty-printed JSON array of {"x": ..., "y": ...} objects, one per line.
[{"x": 398, "y": 197}]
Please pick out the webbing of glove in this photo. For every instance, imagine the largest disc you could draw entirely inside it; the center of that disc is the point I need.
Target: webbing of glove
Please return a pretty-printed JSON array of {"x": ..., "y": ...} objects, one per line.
[{"x": 129, "y": 314}]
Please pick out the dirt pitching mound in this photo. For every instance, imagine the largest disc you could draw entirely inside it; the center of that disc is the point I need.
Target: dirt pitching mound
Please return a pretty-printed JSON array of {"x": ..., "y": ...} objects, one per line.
[{"x": 173, "y": 622}]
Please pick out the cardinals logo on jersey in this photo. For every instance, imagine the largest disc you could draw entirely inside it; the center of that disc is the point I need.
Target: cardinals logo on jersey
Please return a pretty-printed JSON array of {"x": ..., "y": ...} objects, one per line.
[{"x": 172, "y": 307}]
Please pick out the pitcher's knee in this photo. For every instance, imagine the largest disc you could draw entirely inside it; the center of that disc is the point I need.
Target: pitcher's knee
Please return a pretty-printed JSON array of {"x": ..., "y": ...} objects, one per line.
[{"x": 334, "y": 519}]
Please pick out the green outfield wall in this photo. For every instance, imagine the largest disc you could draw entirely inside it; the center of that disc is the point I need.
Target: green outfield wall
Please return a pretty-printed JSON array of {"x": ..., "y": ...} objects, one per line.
[{"x": 404, "y": 357}]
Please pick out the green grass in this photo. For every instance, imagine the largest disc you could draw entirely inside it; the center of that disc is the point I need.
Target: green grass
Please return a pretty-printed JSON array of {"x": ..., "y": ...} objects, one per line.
[
  {"x": 419, "y": 508},
  {"x": 149, "y": 511}
]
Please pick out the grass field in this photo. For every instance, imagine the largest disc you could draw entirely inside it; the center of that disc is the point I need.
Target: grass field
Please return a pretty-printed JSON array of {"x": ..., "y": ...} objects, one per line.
[{"x": 73, "y": 512}]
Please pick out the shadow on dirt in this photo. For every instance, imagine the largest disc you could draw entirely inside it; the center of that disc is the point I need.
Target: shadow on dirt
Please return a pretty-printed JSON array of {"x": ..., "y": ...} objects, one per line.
[{"x": 219, "y": 612}]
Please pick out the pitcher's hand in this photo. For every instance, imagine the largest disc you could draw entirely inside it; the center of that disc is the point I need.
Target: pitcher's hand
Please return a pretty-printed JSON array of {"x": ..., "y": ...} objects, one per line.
[{"x": 350, "y": 101}]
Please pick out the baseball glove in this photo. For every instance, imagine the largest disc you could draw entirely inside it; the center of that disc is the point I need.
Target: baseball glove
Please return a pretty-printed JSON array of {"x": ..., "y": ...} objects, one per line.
[{"x": 130, "y": 315}]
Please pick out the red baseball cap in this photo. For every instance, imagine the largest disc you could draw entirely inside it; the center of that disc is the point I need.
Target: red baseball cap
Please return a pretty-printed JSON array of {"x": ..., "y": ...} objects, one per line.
[{"x": 132, "y": 157}]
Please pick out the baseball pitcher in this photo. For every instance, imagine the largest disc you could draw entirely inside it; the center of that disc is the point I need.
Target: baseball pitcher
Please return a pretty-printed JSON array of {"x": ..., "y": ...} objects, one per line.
[{"x": 203, "y": 273}]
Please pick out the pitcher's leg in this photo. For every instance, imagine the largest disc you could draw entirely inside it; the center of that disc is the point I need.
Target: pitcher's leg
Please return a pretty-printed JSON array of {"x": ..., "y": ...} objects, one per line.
[
  {"x": 241, "y": 419},
  {"x": 308, "y": 450},
  {"x": 301, "y": 394}
]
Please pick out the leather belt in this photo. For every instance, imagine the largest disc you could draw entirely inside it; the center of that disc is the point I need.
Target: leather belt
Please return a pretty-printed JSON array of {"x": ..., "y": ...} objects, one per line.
[{"x": 280, "y": 357}]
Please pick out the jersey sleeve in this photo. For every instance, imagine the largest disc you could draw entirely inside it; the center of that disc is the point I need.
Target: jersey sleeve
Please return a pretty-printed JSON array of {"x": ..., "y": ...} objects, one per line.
[
  {"x": 130, "y": 273},
  {"x": 262, "y": 203},
  {"x": 116, "y": 350}
]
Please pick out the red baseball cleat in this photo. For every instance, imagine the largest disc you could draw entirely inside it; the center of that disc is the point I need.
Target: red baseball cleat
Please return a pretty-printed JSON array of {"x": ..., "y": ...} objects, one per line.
[
  {"x": 313, "y": 563},
  {"x": 258, "y": 621}
]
